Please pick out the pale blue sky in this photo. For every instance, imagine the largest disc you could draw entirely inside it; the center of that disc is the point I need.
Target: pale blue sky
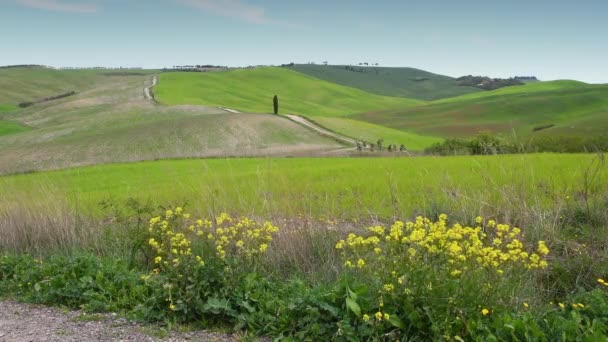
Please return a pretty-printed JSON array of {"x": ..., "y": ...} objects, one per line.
[{"x": 555, "y": 39}]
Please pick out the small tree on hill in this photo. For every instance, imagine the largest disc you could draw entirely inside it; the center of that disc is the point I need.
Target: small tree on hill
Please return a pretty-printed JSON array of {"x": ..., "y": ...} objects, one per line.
[
  {"x": 275, "y": 102},
  {"x": 379, "y": 143}
]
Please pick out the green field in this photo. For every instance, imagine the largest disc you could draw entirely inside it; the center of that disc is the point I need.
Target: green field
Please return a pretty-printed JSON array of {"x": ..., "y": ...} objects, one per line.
[
  {"x": 574, "y": 108},
  {"x": 327, "y": 187},
  {"x": 402, "y": 82},
  {"x": 252, "y": 90}
]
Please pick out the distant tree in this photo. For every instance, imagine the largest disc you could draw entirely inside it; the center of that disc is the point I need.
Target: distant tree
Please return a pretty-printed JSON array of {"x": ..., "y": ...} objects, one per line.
[
  {"x": 390, "y": 148},
  {"x": 402, "y": 148},
  {"x": 325, "y": 63},
  {"x": 359, "y": 147},
  {"x": 275, "y": 102},
  {"x": 379, "y": 144}
]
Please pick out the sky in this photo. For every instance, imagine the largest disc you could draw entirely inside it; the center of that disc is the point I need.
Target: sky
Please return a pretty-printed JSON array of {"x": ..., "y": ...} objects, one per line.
[{"x": 557, "y": 39}]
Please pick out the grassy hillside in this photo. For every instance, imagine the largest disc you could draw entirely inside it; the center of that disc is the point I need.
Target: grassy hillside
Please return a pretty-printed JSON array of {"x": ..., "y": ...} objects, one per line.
[
  {"x": 402, "y": 82},
  {"x": 111, "y": 122},
  {"x": 573, "y": 108},
  {"x": 251, "y": 90},
  {"x": 365, "y": 131},
  {"x": 31, "y": 83},
  {"x": 532, "y": 87}
]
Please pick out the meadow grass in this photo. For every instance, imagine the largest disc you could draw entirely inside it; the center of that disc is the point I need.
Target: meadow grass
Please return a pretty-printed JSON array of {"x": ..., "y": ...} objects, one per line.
[
  {"x": 403, "y": 82},
  {"x": 345, "y": 188},
  {"x": 252, "y": 90}
]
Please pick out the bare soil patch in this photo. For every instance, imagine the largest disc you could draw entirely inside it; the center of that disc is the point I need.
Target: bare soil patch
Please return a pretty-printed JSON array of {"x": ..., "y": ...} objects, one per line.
[{"x": 25, "y": 322}]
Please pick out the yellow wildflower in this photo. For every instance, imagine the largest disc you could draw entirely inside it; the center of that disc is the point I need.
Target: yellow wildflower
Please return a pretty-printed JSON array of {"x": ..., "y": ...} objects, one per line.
[{"x": 485, "y": 312}]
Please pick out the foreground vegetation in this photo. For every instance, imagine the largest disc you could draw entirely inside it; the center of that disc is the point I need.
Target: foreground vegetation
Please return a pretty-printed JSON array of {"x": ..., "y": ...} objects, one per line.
[{"x": 321, "y": 248}]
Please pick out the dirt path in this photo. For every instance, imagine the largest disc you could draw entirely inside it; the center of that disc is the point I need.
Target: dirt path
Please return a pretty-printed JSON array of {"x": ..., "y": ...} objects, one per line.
[
  {"x": 302, "y": 121},
  {"x": 311, "y": 125},
  {"x": 229, "y": 110},
  {"x": 25, "y": 322},
  {"x": 148, "y": 89}
]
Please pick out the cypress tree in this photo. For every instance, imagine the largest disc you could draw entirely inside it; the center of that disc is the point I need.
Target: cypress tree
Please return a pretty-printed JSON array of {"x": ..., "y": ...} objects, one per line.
[{"x": 275, "y": 102}]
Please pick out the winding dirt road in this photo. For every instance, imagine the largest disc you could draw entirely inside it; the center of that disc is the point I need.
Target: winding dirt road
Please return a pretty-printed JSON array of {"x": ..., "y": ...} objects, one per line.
[
  {"x": 305, "y": 122},
  {"x": 148, "y": 89}
]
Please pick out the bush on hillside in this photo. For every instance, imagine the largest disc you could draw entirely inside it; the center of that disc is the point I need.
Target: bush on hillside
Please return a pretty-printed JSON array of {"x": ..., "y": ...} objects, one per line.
[{"x": 482, "y": 144}]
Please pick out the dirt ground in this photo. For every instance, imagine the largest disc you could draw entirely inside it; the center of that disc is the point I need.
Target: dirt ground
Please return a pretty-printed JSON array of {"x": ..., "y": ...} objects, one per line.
[{"x": 32, "y": 323}]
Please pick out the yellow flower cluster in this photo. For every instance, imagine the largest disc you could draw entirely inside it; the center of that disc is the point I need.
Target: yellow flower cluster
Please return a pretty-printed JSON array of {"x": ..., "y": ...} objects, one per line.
[
  {"x": 173, "y": 234},
  {"x": 495, "y": 246},
  {"x": 241, "y": 236},
  {"x": 171, "y": 242}
]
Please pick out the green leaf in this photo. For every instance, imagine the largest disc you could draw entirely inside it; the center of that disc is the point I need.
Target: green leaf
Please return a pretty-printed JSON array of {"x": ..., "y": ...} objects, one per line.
[
  {"x": 353, "y": 306},
  {"x": 396, "y": 322},
  {"x": 352, "y": 295}
]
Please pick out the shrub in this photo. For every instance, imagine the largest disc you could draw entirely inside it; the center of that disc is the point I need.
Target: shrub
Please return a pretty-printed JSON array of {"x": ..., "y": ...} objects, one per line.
[
  {"x": 433, "y": 278},
  {"x": 198, "y": 263}
]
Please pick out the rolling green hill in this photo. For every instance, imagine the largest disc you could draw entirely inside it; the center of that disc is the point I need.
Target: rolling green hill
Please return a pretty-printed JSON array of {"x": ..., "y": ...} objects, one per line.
[
  {"x": 402, "y": 82},
  {"x": 574, "y": 108},
  {"x": 31, "y": 83},
  {"x": 251, "y": 90},
  {"x": 111, "y": 121}
]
